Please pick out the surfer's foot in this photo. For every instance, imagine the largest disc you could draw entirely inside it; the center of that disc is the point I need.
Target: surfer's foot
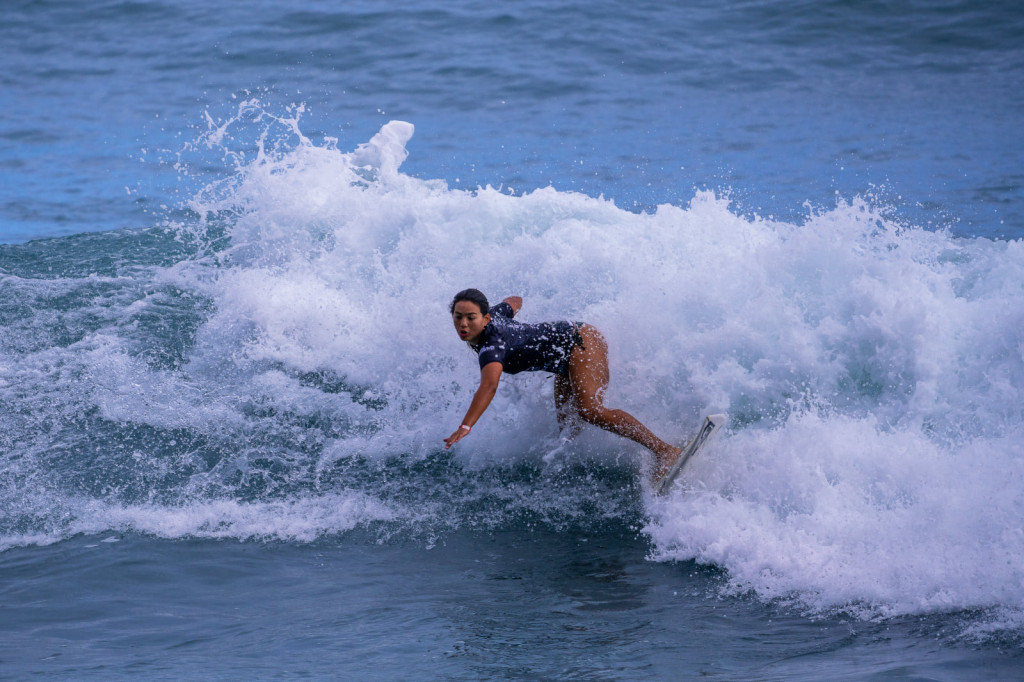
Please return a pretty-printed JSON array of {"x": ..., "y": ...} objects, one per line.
[{"x": 664, "y": 462}]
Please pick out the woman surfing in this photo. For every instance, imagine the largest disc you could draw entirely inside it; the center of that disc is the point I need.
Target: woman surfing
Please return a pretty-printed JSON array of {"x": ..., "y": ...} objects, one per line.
[{"x": 575, "y": 353}]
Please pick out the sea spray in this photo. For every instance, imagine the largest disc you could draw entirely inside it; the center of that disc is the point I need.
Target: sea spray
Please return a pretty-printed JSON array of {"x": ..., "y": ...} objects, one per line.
[
  {"x": 302, "y": 352},
  {"x": 869, "y": 367}
]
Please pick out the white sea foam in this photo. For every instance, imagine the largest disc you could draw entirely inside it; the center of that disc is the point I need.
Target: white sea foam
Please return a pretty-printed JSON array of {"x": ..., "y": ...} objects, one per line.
[
  {"x": 300, "y": 520},
  {"x": 872, "y": 371},
  {"x": 847, "y": 513}
]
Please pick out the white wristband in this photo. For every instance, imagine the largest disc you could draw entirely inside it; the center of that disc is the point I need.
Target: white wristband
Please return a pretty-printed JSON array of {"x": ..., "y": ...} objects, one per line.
[{"x": 466, "y": 426}]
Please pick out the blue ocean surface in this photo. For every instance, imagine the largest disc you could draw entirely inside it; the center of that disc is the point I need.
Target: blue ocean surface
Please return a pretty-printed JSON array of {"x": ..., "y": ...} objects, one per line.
[{"x": 228, "y": 237}]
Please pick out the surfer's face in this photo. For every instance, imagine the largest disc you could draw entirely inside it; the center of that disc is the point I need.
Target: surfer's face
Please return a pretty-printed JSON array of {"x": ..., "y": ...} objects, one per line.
[{"x": 469, "y": 323}]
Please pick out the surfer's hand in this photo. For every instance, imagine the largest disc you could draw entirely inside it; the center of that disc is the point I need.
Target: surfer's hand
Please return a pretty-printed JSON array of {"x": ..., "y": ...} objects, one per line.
[{"x": 459, "y": 434}]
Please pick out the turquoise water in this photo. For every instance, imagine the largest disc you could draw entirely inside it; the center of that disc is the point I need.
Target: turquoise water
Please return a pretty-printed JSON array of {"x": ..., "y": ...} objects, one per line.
[{"x": 226, "y": 363}]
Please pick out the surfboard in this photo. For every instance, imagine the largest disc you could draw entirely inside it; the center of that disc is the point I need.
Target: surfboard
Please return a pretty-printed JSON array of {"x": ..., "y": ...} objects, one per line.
[{"x": 712, "y": 423}]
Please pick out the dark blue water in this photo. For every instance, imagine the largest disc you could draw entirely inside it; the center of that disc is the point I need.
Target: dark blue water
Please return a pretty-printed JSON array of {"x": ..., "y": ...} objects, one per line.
[
  {"x": 509, "y": 605},
  {"x": 779, "y": 102},
  {"x": 226, "y": 365}
]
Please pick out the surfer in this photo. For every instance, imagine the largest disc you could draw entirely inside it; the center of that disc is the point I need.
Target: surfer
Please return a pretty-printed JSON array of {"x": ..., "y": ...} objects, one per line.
[{"x": 575, "y": 353}]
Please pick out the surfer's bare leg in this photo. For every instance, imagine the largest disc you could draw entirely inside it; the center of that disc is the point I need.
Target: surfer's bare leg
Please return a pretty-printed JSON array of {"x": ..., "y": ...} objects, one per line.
[
  {"x": 565, "y": 408},
  {"x": 588, "y": 379}
]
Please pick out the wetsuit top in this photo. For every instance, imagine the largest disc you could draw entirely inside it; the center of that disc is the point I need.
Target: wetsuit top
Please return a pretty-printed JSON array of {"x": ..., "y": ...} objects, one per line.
[{"x": 521, "y": 347}]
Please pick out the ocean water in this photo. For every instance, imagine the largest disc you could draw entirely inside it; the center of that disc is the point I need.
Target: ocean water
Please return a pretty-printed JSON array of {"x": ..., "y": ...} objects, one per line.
[{"x": 230, "y": 234}]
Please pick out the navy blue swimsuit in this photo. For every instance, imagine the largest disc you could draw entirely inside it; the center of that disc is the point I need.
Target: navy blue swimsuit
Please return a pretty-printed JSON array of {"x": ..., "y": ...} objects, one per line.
[{"x": 523, "y": 347}]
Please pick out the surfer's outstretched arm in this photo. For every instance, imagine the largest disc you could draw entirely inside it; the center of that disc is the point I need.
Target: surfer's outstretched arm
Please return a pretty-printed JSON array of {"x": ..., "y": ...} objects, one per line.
[{"x": 490, "y": 375}]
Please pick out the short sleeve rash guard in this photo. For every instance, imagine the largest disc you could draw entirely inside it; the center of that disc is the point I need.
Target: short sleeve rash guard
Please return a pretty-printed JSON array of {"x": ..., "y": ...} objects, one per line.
[{"x": 523, "y": 347}]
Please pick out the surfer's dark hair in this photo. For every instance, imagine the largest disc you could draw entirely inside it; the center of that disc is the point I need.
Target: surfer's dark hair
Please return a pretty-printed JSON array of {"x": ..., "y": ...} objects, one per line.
[{"x": 473, "y": 296}]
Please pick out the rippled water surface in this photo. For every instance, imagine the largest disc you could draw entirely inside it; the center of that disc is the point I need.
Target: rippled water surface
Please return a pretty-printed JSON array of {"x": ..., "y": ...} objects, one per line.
[{"x": 226, "y": 363}]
